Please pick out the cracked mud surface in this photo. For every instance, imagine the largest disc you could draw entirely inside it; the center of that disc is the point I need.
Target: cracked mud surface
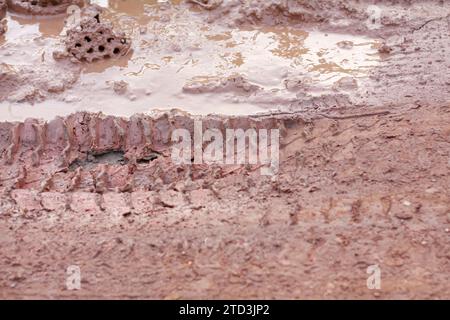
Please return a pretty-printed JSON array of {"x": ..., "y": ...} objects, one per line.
[{"x": 365, "y": 154}]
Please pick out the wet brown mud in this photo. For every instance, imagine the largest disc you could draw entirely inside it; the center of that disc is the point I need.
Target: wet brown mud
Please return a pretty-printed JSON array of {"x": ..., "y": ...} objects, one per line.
[
  {"x": 362, "y": 104},
  {"x": 171, "y": 66}
]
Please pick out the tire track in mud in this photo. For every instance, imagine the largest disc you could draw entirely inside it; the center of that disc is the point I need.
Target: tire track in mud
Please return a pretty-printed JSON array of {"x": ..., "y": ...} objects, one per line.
[
  {"x": 72, "y": 153},
  {"x": 351, "y": 192}
]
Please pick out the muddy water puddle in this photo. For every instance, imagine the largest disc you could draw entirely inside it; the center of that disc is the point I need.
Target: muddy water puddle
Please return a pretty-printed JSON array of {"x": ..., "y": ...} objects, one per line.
[{"x": 179, "y": 61}]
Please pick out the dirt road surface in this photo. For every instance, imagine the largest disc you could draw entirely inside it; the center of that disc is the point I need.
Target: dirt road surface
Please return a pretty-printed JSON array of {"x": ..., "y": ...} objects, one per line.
[{"x": 360, "y": 91}]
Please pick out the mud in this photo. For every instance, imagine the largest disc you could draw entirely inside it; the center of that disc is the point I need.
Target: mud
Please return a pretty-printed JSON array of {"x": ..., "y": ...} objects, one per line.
[
  {"x": 180, "y": 55},
  {"x": 353, "y": 191},
  {"x": 42, "y": 7},
  {"x": 3, "y": 6},
  {"x": 3, "y": 26},
  {"x": 94, "y": 40},
  {"x": 362, "y": 104},
  {"x": 171, "y": 66}
]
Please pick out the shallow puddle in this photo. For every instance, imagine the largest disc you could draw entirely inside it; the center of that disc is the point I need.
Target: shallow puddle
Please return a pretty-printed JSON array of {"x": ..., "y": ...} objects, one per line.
[{"x": 168, "y": 55}]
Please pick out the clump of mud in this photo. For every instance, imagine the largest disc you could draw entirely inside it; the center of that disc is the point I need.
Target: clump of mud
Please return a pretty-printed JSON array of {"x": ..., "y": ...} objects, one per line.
[
  {"x": 235, "y": 82},
  {"x": 34, "y": 83},
  {"x": 42, "y": 7},
  {"x": 95, "y": 40},
  {"x": 337, "y": 13},
  {"x": 3, "y": 27},
  {"x": 3, "y": 7}
]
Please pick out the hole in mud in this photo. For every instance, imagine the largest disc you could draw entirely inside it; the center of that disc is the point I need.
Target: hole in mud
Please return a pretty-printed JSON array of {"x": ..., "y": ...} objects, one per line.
[
  {"x": 101, "y": 48},
  {"x": 110, "y": 158},
  {"x": 151, "y": 157},
  {"x": 90, "y": 50},
  {"x": 92, "y": 160},
  {"x": 87, "y": 39},
  {"x": 116, "y": 51}
]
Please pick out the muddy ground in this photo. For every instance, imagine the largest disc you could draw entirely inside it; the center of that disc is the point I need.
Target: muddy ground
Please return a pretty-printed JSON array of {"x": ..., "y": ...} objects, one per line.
[{"x": 363, "y": 108}]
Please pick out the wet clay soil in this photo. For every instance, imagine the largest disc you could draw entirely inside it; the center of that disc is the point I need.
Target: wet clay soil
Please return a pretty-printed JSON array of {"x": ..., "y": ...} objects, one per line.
[
  {"x": 363, "y": 108},
  {"x": 177, "y": 58}
]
